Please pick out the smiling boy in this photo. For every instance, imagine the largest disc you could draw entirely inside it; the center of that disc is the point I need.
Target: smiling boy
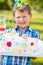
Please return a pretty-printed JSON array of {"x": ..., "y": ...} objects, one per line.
[{"x": 22, "y": 16}]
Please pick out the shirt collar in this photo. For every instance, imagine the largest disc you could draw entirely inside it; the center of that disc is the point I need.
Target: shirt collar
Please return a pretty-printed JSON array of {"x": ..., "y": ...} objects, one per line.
[{"x": 27, "y": 29}]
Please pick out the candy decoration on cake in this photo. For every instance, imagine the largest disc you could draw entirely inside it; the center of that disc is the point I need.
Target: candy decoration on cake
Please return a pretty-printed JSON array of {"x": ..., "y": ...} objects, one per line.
[
  {"x": 24, "y": 45},
  {"x": 15, "y": 49},
  {"x": 9, "y": 44},
  {"x": 32, "y": 44},
  {"x": 24, "y": 36},
  {"x": 0, "y": 38}
]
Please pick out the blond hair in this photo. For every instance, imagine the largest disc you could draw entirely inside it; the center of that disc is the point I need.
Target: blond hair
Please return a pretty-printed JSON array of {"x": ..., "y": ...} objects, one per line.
[{"x": 22, "y": 9}]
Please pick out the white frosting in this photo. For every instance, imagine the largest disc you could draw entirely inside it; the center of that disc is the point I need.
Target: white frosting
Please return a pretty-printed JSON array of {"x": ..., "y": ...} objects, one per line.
[{"x": 12, "y": 44}]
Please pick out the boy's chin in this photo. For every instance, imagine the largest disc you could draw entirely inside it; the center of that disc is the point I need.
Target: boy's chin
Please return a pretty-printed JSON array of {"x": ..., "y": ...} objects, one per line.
[{"x": 23, "y": 27}]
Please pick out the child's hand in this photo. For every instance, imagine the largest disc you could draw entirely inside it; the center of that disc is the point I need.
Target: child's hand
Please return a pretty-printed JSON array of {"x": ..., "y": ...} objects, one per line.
[{"x": 0, "y": 58}]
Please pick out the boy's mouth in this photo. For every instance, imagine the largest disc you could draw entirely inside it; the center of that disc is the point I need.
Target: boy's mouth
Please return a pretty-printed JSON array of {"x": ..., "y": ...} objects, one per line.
[{"x": 22, "y": 23}]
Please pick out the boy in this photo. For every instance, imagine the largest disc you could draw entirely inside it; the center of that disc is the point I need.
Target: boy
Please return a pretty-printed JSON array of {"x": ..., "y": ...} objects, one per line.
[{"x": 22, "y": 16}]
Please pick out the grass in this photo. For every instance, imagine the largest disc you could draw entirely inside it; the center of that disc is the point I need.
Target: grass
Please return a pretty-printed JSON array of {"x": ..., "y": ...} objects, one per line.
[{"x": 35, "y": 23}]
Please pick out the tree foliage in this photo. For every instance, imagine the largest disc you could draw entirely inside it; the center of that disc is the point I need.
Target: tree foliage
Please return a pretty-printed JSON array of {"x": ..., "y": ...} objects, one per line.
[
  {"x": 35, "y": 4},
  {"x": 6, "y": 4}
]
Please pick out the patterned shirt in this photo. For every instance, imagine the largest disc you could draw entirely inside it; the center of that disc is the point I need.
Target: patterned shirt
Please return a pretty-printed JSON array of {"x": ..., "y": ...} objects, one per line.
[{"x": 20, "y": 60}]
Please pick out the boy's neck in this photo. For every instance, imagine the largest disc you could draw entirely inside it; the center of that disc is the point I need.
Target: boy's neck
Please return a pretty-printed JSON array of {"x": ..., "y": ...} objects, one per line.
[{"x": 23, "y": 28}]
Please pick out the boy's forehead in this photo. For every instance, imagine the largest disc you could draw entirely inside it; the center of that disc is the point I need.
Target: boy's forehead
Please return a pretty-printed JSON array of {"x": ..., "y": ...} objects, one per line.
[{"x": 20, "y": 12}]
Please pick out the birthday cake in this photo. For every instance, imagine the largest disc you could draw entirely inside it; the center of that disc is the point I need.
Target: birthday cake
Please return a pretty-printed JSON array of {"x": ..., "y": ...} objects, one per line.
[{"x": 12, "y": 44}]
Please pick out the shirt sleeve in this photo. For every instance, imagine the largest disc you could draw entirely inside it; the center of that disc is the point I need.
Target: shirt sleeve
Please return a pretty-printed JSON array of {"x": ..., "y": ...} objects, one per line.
[
  {"x": 37, "y": 35},
  {"x": 8, "y": 30}
]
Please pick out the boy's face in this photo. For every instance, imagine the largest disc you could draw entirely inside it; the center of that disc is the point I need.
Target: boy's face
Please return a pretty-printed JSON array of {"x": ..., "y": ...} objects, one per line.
[{"x": 22, "y": 19}]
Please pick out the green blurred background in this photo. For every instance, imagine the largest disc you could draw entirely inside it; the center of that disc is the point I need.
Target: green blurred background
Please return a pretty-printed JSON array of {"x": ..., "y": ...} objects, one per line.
[{"x": 36, "y": 22}]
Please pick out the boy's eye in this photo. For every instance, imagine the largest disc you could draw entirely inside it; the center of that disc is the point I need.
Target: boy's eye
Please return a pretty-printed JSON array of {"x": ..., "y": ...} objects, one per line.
[
  {"x": 17, "y": 17},
  {"x": 23, "y": 17}
]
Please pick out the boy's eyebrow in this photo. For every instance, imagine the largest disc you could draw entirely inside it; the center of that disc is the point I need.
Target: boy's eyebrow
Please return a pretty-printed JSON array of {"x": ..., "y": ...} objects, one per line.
[{"x": 17, "y": 16}]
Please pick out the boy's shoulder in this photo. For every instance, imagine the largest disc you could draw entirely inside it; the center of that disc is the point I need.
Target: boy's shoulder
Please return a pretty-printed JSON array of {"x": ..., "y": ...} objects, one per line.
[
  {"x": 9, "y": 30},
  {"x": 36, "y": 34},
  {"x": 35, "y": 31}
]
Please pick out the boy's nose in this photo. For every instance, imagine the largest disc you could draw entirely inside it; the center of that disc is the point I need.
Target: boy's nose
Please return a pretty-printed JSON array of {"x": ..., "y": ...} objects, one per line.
[{"x": 21, "y": 19}]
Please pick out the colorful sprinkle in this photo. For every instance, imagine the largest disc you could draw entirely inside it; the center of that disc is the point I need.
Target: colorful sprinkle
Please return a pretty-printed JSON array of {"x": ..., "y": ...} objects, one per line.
[
  {"x": 24, "y": 45},
  {"x": 24, "y": 50},
  {"x": 0, "y": 38},
  {"x": 20, "y": 51},
  {"x": 9, "y": 44},
  {"x": 15, "y": 49},
  {"x": 32, "y": 43}
]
